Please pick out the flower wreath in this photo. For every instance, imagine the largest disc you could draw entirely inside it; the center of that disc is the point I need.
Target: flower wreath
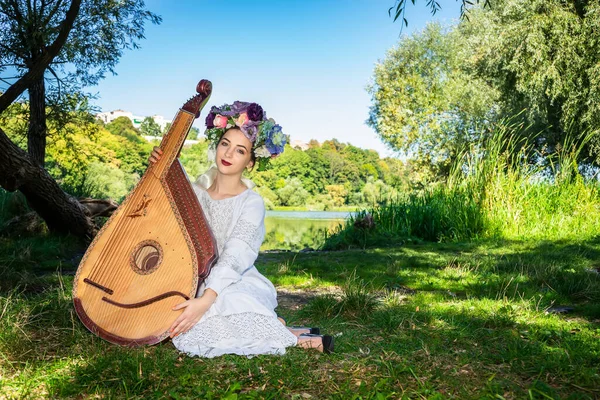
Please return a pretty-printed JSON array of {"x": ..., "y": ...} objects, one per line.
[{"x": 267, "y": 138}]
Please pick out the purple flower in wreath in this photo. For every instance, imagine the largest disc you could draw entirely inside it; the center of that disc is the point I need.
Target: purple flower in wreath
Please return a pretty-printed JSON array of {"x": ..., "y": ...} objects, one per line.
[
  {"x": 255, "y": 112},
  {"x": 226, "y": 111},
  {"x": 250, "y": 131},
  {"x": 209, "y": 120},
  {"x": 239, "y": 107}
]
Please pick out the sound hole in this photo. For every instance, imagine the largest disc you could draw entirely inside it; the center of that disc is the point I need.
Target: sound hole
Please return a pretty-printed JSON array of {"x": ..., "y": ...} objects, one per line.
[{"x": 146, "y": 257}]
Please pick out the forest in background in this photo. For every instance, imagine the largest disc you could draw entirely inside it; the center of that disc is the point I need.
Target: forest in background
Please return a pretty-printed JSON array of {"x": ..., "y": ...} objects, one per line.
[{"x": 90, "y": 159}]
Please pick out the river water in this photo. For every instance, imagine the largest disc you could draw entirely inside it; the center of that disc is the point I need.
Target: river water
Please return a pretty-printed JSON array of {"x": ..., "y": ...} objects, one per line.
[{"x": 297, "y": 230}]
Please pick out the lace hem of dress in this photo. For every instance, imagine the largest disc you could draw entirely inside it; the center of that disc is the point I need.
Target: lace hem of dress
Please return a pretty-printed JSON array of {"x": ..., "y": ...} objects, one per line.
[{"x": 243, "y": 334}]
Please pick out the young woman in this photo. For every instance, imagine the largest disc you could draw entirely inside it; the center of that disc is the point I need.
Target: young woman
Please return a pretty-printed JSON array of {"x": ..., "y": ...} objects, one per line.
[{"x": 234, "y": 310}]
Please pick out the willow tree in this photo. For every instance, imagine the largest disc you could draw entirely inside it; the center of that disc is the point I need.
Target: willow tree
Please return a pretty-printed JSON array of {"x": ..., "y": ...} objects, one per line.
[
  {"x": 49, "y": 51},
  {"x": 425, "y": 103},
  {"x": 543, "y": 56},
  {"x": 533, "y": 61},
  {"x": 398, "y": 10},
  {"x": 96, "y": 40}
]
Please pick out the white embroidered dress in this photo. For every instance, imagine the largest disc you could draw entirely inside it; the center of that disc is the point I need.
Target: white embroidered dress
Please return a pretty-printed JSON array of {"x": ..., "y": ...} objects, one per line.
[{"x": 242, "y": 320}]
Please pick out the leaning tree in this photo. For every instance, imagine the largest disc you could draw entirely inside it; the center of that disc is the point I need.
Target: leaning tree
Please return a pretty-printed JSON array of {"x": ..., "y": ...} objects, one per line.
[{"x": 49, "y": 51}]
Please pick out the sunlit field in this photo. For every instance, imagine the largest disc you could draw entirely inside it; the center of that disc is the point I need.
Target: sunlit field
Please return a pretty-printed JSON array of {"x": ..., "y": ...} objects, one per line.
[{"x": 480, "y": 319}]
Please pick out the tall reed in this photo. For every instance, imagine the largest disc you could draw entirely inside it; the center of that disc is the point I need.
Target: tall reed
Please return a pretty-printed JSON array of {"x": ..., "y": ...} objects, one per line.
[{"x": 499, "y": 187}]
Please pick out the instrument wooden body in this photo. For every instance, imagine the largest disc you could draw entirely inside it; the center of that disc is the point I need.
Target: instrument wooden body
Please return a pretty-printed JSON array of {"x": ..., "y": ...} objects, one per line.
[{"x": 151, "y": 253}]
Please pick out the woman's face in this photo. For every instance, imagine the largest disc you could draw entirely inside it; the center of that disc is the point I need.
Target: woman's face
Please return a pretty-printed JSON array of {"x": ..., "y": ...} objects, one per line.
[{"x": 233, "y": 152}]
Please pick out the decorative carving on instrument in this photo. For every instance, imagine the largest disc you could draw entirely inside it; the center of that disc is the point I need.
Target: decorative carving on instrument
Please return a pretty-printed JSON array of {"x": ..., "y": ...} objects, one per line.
[
  {"x": 146, "y": 257},
  {"x": 195, "y": 104},
  {"x": 138, "y": 304},
  {"x": 142, "y": 207},
  {"x": 99, "y": 286},
  {"x": 146, "y": 302}
]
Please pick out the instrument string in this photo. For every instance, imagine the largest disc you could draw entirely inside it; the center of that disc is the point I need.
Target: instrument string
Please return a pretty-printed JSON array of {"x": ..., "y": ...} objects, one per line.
[
  {"x": 118, "y": 280},
  {"x": 154, "y": 280},
  {"x": 152, "y": 188},
  {"x": 99, "y": 267},
  {"x": 128, "y": 247},
  {"x": 101, "y": 264},
  {"x": 150, "y": 281},
  {"x": 115, "y": 260},
  {"x": 130, "y": 324},
  {"x": 117, "y": 234},
  {"x": 105, "y": 262}
]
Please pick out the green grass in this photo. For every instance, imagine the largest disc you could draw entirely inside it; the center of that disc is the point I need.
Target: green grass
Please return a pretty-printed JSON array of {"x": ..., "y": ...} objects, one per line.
[
  {"x": 11, "y": 204},
  {"x": 425, "y": 320}
]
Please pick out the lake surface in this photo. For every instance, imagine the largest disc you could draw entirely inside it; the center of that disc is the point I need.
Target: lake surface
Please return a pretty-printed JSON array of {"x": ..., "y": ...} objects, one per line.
[{"x": 297, "y": 230}]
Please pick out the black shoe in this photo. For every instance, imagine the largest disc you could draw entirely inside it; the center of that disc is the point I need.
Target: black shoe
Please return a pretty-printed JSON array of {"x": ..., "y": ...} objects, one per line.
[{"x": 326, "y": 339}]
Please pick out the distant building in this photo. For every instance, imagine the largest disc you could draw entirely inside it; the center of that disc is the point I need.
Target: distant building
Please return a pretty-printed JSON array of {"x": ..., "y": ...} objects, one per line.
[
  {"x": 299, "y": 144},
  {"x": 161, "y": 121},
  {"x": 136, "y": 120}
]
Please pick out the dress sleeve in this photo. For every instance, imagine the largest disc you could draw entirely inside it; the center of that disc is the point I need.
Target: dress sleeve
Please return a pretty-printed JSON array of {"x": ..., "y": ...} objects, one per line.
[{"x": 241, "y": 247}]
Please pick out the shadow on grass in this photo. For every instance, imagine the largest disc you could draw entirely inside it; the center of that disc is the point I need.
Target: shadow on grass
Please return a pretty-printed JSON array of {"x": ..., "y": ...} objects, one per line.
[
  {"x": 561, "y": 272},
  {"x": 472, "y": 347},
  {"x": 24, "y": 262}
]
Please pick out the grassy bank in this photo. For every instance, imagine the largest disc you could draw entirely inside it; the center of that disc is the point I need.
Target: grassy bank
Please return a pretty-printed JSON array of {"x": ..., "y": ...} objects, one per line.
[
  {"x": 501, "y": 188},
  {"x": 336, "y": 209},
  {"x": 420, "y": 321}
]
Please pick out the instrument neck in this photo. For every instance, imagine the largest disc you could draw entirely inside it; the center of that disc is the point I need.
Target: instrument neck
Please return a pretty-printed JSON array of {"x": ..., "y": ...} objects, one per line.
[{"x": 172, "y": 142}]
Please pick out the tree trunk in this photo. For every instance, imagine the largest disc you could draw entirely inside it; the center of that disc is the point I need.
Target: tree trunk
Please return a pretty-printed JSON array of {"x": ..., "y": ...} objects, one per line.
[
  {"x": 36, "y": 135},
  {"x": 62, "y": 213},
  {"x": 18, "y": 171}
]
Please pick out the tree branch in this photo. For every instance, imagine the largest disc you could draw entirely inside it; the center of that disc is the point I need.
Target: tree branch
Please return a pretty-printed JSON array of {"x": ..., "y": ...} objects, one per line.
[
  {"x": 12, "y": 65},
  {"x": 53, "y": 12},
  {"x": 18, "y": 16},
  {"x": 44, "y": 61},
  {"x": 58, "y": 80},
  {"x": 61, "y": 212}
]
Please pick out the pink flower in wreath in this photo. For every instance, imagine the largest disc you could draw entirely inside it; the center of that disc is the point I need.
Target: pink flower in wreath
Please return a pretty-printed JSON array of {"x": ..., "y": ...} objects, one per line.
[
  {"x": 242, "y": 119},
  {"x": 220, "y": 121}
]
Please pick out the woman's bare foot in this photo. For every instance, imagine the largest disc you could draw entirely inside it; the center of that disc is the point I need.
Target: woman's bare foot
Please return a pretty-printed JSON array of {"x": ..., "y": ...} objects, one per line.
[
  {"x": 322, "y": 343},
  {"x": 310, "y": 342}
]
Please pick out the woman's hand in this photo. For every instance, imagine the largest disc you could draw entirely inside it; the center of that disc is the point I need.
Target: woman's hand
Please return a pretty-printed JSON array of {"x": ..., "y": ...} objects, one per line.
[
  {"x": 156, "y": 154},
  {"x": 194, "y": 310}
]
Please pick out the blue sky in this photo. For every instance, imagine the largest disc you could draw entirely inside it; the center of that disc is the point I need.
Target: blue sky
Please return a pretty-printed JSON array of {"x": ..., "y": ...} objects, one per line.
[{"x": 306, "y": 62}]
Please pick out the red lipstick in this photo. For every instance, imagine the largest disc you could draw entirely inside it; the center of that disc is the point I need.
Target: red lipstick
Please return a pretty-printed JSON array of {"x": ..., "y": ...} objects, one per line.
[{"x": 225, "y": 163}]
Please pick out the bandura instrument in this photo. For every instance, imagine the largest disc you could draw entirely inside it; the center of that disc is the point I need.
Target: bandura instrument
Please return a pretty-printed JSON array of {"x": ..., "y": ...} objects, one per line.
[{"x": 152, "y": 252}]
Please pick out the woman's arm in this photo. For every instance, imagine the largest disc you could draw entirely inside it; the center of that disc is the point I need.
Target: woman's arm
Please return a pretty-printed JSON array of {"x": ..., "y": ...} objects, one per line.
[
  {"x": 241, "y": 248},
  {"x": 239, "y": 253}
]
